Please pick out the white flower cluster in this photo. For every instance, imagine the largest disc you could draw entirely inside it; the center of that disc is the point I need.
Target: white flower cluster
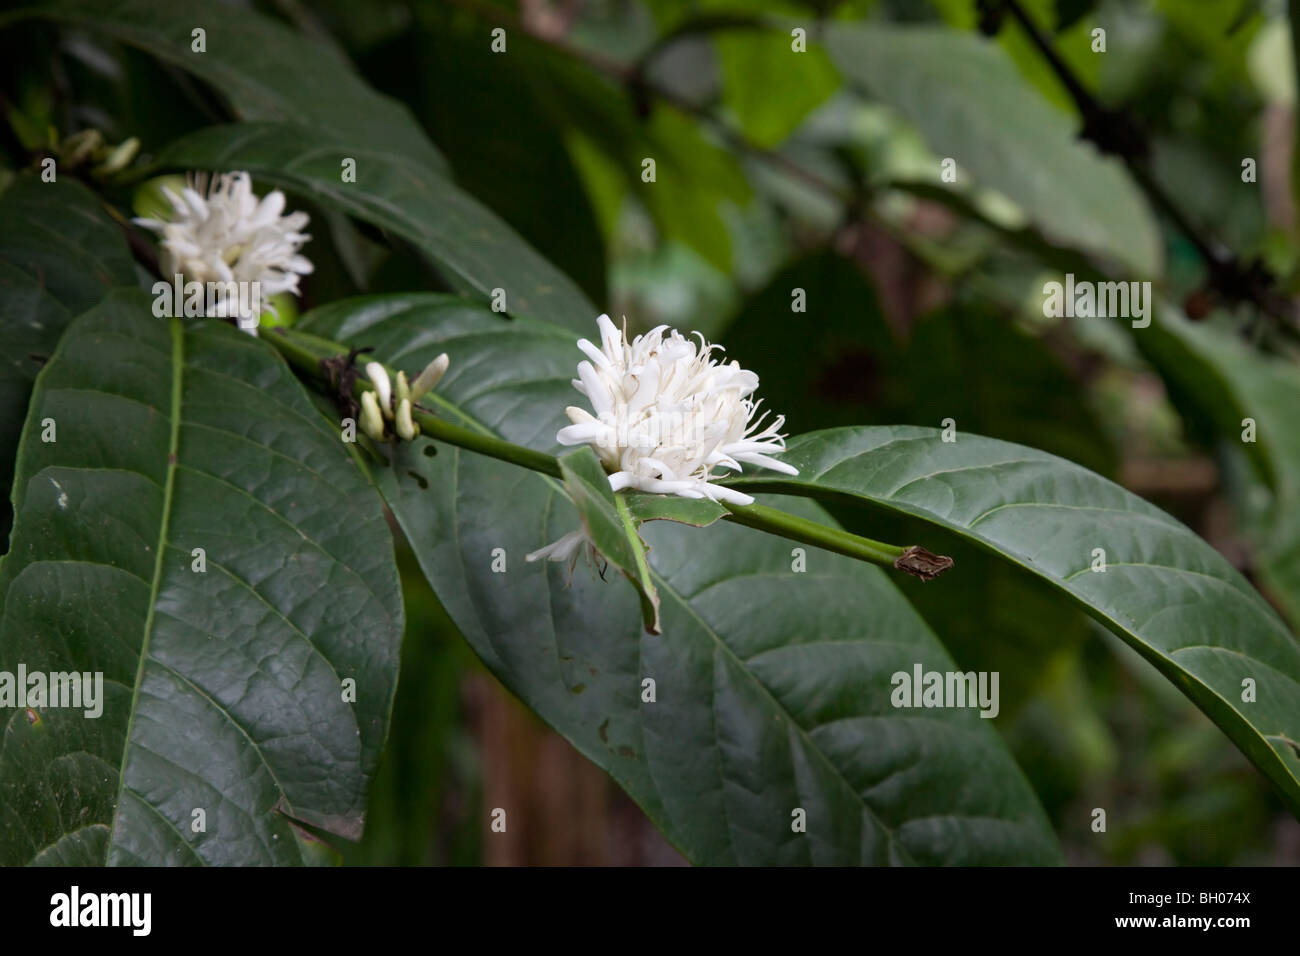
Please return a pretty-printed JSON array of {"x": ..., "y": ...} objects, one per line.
[
  {"x": 220, "y": 232},
  {"x": 668, "y": 418}
]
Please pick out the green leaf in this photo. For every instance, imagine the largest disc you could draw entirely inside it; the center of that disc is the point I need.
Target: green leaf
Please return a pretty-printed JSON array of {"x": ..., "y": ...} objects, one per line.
[
  {"x": 264, "y": 69},
  {"x": 699, "y": 512},
  {"x": 222, "y": 688},
  {"x": 696, "y": 180},
  {"x": 489, "y": 160},
  {"x": 971, "y": 105},
  {"x": 1165, "y": 592},
  {"x": 610, "y": 526},
  {"x": 59, "y": 255},
  {"x": 474, "y": 250},
  {"x": 1223, "y": 381},
  {"x": 695, "y": 183},
  {"x": 772, "y": 686},
  {"x": 851, "y": 366},
  {"x": 770, "y": 111}
]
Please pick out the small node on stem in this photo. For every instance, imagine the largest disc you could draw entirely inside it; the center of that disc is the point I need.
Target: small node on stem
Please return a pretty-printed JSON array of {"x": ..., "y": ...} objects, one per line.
[
  {"x": 341, "y": 373},
  {"x": 921, "y": 563}
]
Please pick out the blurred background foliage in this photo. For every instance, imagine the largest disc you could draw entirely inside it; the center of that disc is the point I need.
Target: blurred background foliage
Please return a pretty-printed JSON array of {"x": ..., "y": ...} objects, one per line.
[{"x": 818, "y": 172}]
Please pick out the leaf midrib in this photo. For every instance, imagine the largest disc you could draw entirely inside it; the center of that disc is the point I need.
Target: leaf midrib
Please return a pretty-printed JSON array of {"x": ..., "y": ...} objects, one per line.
[
  {"x": 1162, "y": 660},
  {"x": 177, "y": 333},
  {"x": 660, "y": 581}
]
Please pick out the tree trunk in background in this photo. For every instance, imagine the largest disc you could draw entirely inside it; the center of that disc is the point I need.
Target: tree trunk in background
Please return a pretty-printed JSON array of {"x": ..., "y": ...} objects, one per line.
[{"x": 561, "y": 810}]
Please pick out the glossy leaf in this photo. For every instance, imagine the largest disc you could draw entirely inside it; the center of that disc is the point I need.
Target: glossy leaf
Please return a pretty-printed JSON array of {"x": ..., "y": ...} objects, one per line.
[
  {"x": 770, "y": 687},
  {"x": 264, "y": 69},
  {"x": 59, "y": 255},
  {"x": 1164, "y": 591},
  {"x": 849, "y": 365},
  {"x": 246, "y": 685},
  {"x": 971, "y": 105},
  {"x": 610, "y": 526},
  {"x": 474, "y": 250},
  {"x": 453, "y": 81},
  {"x": 1240, "y": 392},
  {"x": 768, "y": 112}
]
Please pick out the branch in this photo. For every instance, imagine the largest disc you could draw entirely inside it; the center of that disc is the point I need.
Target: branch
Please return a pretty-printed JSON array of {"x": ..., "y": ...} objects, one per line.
[
  {"x": 1115, "y": 132},
  {"x": 633, "y": 78},
  {"x": 640, "y": 88},
  {"x": 1110, "y": 130},
  {"x": 313, "y": 358}
]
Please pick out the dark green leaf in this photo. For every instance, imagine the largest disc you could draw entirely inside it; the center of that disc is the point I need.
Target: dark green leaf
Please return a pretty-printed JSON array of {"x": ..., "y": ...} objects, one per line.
[
  {"x": 265, "y": 70},
  {"x": 772, "y": 685},
  {"x": 475, "y": 250},
  {"x": 222, "y": 689},
  {"x": 610, "y": 526},
  {"x": 59, "y": 255},
  {"x": 850, "y": 366},
  {"x": 1164, "y": 591},
  {"x": 971, "y": 105},
  {"x": 518, "y": 164},
  {"x": 1224, "y": 382}
]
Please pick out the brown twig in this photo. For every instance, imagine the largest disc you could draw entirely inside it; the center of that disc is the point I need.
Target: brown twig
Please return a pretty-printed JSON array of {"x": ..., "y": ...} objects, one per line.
[{"x": 1115, "y": 132}]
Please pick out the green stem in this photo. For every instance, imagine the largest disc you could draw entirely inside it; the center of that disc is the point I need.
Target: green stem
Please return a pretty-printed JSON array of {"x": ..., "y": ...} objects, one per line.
[
  {"x": 810, "y": 532},
  {"x": 306, "y": 352}
]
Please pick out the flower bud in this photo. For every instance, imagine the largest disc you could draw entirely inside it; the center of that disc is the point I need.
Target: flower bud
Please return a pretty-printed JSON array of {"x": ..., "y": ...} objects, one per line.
[
  {"x": 427, "y": 379},
  {"x": 406, "y": 429},
  {"x": 80, "y": 146},
  {"x": 119, "y": 157},
  {"x": 372, "y": 423},
  {"x": 383, "y": 386}
]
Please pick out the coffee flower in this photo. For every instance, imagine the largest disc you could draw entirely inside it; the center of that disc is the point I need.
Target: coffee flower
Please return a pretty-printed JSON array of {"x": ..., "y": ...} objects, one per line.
[
  {"x": 666, "y": 417},
  {"x": 220, "y": 232},
  {"x": 567, "y": 548}
]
